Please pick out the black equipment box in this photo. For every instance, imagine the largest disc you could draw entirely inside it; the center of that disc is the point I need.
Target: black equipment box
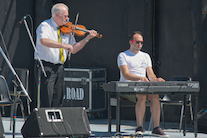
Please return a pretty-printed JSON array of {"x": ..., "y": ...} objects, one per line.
[{"x": 83, "y": 88}]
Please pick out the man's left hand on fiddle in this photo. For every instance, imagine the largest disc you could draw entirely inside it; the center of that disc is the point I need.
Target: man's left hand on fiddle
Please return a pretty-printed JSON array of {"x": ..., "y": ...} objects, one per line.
[{"x": 92, "y": 34}]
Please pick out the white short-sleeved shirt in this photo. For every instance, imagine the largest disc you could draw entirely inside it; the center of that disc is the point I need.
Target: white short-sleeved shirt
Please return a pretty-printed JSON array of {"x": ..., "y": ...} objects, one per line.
[
  {"x": 48, "y": 29},
  {"x": 136, "y": 63}
]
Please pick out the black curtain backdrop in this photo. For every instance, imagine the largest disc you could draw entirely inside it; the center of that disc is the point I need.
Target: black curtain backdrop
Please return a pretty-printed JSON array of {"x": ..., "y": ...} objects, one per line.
[{"x": 174, "y": 35}]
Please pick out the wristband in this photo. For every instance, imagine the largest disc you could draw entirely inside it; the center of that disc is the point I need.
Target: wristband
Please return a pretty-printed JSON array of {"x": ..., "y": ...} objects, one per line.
[{"x": 86, "y": 40}]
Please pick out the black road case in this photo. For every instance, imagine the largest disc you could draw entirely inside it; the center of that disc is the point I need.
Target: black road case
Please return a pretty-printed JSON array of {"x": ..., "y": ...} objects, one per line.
[{"x": 83, "y": 88}]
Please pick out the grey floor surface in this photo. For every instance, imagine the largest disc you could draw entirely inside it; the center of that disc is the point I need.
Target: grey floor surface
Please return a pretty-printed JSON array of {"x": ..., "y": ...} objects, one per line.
[{"x": 99, "y": 128}]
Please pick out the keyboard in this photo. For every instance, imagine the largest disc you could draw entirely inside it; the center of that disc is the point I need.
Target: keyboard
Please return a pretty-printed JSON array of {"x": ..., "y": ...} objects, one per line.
[{"x": 167, "y": 86}]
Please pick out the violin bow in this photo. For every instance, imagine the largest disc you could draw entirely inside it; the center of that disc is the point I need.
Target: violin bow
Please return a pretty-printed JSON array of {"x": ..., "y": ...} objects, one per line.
[{"x": 76, "y": 22}]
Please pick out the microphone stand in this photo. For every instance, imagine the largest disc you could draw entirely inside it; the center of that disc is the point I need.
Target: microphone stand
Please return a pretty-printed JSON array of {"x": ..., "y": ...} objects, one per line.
[
  {"x": 39, "y": 71},
  {"x": 14, "y": 107},
  {"x": 21, "y": 85}
]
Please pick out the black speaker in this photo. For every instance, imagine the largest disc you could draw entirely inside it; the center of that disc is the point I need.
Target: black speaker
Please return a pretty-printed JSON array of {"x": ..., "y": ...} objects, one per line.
[
  {"x": 57, "y": 122},
  {"x": 202, "y": 120}
]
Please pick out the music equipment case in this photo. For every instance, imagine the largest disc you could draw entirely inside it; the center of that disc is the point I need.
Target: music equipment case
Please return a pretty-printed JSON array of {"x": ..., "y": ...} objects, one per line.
[{"x": 83, "y": 88}]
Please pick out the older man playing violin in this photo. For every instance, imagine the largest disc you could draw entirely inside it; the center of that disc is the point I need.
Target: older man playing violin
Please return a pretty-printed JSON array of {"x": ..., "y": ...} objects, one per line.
[{"x": 52, "y": 48}]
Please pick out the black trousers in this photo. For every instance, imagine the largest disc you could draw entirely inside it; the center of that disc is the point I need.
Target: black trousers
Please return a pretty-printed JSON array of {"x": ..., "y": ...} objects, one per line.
[{"x": 52, "y": 86}]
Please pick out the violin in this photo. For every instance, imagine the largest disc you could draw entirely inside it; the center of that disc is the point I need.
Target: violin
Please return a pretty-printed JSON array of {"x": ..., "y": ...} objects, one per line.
[{"x": 80, "y": 30}]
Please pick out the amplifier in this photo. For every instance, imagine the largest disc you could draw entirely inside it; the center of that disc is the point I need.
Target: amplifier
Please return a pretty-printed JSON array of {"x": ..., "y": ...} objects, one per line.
[{"x": 57, "y": 122}]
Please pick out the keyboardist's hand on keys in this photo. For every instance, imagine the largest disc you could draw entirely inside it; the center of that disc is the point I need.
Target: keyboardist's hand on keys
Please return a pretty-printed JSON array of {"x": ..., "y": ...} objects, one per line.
[
  {"x": 159, "y": 79},
  {"x": 144, "y": 79}
]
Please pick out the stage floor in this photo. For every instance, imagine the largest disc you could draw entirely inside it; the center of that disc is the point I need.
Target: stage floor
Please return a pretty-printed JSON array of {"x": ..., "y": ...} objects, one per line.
[{"x": 99, "y": 128}]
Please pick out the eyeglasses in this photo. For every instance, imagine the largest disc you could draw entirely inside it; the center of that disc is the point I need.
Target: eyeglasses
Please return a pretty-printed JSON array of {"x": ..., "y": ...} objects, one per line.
[
  {"x": 138, "y": 42},
  {"x": 66, "y": 16}
]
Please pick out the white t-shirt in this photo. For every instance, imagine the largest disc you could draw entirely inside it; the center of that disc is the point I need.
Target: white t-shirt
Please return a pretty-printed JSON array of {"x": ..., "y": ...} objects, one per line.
[
  {"x": 136, "y": 63},
  {"x": 48, "y": 29}
]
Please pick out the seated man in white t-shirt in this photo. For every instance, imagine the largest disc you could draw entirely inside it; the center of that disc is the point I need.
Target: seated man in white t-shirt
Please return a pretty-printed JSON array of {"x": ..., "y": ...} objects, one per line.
[{"x": 136, "y": 65}]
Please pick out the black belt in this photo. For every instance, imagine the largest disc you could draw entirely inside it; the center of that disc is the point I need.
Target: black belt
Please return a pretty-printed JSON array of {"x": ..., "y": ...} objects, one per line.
[{"x": 49, "y": 63}]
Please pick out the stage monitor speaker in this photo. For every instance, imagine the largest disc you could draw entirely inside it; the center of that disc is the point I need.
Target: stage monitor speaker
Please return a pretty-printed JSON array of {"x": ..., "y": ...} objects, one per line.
[
  {"x": 57, "y": 122},
  {"x": 2, "y": 134},
  {"x": 202, "y": 120}
]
